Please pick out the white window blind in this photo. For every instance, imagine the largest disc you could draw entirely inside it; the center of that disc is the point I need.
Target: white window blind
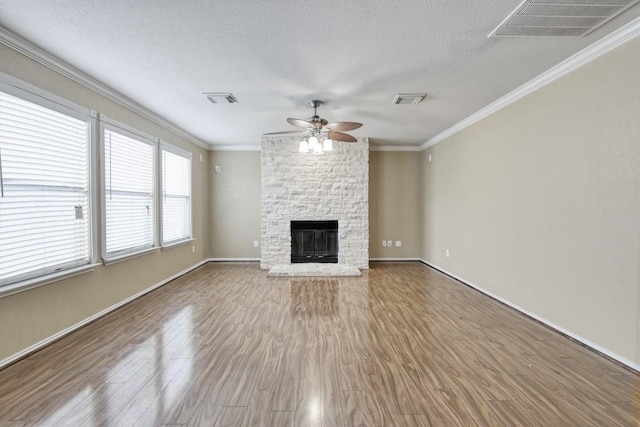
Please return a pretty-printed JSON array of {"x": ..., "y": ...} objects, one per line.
[
  {"x": 176, "y": 195},
  {"x": 44, "y": 188},
  {"x": 129, "y": 196}
]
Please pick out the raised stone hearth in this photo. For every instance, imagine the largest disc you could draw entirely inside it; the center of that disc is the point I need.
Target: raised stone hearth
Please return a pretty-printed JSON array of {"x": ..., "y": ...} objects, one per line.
[
  {"x": 313, "y": 270},
  {"x": 307, "y": 187}
]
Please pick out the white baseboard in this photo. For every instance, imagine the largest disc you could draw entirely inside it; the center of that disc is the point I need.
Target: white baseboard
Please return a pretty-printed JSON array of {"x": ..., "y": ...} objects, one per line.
[
  {"x": 42, "y": 343},
  {"x": 233, "y": 260},
  {"x": 540, "y": 319},
  {"x": 394, "y": 259}
]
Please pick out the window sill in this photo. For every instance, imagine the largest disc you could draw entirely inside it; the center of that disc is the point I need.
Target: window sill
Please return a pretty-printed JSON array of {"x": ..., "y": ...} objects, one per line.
[
  {"x": 178, "y": 243},
  {"x": 25, "y": 285},
  {"x": 125, "y": 257}
]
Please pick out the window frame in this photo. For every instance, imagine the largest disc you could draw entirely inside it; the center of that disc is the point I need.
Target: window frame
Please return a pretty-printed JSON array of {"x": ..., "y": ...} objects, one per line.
[
  {"x": 106, "y": 123},
  {"x": 166, "y": 146},
  {"x": 33, "y": 94}
]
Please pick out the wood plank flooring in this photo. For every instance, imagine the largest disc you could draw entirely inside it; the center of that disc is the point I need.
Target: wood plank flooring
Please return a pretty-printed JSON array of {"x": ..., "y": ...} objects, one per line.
[{"x": 402, "y": 345}]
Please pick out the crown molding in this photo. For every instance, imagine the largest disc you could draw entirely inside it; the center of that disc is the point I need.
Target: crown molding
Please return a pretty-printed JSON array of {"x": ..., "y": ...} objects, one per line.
[
  {"x": 588, "y": 54},
  {"x": 395, "y": 148},
  {"x": 42, "y": 57},
  {"x": 214, "y": 147}
]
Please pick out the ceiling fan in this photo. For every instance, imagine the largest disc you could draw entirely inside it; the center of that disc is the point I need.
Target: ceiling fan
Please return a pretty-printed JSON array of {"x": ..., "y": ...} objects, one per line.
[{"x": 318, "y": 133}]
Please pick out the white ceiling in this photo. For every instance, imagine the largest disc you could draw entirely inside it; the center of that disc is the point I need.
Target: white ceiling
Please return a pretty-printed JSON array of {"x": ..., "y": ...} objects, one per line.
[{"x": 275, "y": 55}]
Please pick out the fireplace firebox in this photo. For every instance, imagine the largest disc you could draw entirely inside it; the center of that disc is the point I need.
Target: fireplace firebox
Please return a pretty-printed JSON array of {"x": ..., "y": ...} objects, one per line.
[{"x": 314, "y": 241}]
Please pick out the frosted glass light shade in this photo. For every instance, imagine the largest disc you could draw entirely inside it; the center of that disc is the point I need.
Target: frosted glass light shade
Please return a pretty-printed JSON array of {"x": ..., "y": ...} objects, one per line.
[
  {"x": 327, "y": 145},
  {"x": 304, "y": 147},
  {"x": 313, "y": 141}
]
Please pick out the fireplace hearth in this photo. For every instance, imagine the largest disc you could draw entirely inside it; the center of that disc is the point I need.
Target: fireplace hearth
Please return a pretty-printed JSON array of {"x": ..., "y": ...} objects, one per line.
[{"x": 314, "y": 241}]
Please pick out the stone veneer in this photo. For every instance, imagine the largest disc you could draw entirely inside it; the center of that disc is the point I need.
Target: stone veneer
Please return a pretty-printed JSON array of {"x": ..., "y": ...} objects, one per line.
[{"x": 298, "y": 187}]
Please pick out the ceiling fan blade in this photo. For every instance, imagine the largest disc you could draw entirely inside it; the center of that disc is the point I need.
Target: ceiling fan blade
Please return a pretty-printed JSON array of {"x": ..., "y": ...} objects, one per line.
[
  {"x": 300, "y": 123},
  {"x": 343, "y": 126},
  {"x": 339, "y": 136},
  {"x": 286, "y": 132}
]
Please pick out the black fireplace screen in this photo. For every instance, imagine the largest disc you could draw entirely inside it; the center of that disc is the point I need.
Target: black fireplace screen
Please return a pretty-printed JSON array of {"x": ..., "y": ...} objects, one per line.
[{"x": 314, "y": 241}]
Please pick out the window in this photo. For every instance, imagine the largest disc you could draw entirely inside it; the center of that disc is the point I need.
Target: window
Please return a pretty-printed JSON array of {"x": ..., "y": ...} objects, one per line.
[
  {"x": 176, "y": 195},
  {"x": 128, "y": 191},
  {"x": 44, "y": 183}
]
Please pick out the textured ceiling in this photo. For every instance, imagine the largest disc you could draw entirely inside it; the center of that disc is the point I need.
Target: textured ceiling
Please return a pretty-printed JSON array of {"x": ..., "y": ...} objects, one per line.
[{"x": 274, "y": 55}]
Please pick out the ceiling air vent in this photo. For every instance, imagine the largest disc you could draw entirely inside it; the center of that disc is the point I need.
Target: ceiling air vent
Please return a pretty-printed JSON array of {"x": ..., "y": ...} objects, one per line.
[
  {"x": 408, "y": 98},
  {"x": 221, "y": 98},
  {"x": 560, "y": 18}
]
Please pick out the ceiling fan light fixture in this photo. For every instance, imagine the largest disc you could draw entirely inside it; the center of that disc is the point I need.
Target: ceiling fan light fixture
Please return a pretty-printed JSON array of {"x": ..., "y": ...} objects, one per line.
[
  {"x": 318, "y": 135},
  {"x": 221, "y": 98}
]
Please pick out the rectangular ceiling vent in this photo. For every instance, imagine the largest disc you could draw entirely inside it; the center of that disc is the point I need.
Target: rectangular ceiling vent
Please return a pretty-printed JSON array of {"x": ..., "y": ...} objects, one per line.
[
  {"x": 408, "y": 98},
  {"x": 560, "y": 18},
  {"x": 221, "y": 98}
]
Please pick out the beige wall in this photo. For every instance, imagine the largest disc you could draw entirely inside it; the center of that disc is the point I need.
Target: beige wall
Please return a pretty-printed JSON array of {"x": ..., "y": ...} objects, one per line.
[
  {"x": 234, "y": 214},
  {"x": 31, "y": 316},
  {"x": 395, "y": 204},
  {"x": 539, "y": 203}
]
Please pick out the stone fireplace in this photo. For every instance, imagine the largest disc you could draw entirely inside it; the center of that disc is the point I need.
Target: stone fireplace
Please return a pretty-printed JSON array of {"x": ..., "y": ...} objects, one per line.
[{"x": 300, "y": 187}]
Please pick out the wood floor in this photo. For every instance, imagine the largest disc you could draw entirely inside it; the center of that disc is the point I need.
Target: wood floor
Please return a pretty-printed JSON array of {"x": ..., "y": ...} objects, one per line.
[{"x": 402, "y": 345}]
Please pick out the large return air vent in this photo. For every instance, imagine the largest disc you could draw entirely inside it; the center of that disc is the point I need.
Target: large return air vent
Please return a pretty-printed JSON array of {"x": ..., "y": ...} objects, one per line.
[{"x": 560, "y": 18}]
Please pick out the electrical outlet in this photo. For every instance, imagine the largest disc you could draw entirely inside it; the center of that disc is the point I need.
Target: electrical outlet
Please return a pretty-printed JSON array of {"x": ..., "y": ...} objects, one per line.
[
  {"x": 398, "y": 243},
  {"x": 389, "y": 243},
  {"x": 200, "y": 157},
  {"x": 193, "y": 249},
  {"x": 384, "y": 243},
  {"x": 217, "y": 168},
  {"x": 447, "y": 253},
  {"x": 255, "y": 243},
  {"x": 429, "y": 157}
]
